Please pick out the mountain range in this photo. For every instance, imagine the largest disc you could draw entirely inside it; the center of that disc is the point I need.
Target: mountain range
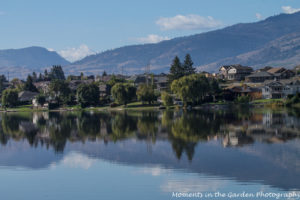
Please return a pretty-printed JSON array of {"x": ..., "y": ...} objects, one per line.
[{"x": 274, "y": 41}]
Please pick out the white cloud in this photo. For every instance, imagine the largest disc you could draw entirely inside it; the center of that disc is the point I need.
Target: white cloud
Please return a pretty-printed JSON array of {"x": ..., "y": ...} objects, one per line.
[
  {"x": 188, "y": 22},
  {"x": 152, "y": 39},
  {"x": 289, "y": 9},
  {"x": 154, "y": 171},
  {"x": 73, "y": 54},
  {"x": 50, "y": 49},
  {"x": 258, "y": 16},
  {"x": 77, "y": 160}
]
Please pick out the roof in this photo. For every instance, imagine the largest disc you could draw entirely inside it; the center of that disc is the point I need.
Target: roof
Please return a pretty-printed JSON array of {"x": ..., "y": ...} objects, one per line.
[
  {"x": 276, "y": 70},
  {"x": 27, "y": 95},
  {"x": 240, "y": 67},
  {"x": 260, "y": 74}
]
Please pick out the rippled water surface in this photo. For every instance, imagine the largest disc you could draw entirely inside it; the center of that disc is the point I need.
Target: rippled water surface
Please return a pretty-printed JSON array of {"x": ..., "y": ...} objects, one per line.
[{"x": 148, "y": 155}]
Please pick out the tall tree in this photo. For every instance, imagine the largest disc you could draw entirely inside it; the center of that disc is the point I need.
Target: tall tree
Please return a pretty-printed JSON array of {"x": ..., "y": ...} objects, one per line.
[
  {"x": 28, "y": 86},
  {"x": 9, "y": 98},
  {"x": 145, "y": 93},
  {"x": 191, "y": 89},
  {"x": 88, "y": 94},
  {"x": 57, "y": 73},
  {"x": 188, "y": 65},
  {"x": 60, "y": 91},
  {"x": 34, "y": 77},
  {"x": 176, "y": 70},
  {"x": 123, "y": 93},
  {"x": 104, "y": 73}
]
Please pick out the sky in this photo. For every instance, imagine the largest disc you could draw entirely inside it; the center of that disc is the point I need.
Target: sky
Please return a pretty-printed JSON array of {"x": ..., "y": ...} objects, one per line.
[{"x": 76, "y": 28}]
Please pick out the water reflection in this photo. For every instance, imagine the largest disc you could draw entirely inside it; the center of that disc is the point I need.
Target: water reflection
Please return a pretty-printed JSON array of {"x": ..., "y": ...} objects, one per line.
[{"x": 244, "y": 144}]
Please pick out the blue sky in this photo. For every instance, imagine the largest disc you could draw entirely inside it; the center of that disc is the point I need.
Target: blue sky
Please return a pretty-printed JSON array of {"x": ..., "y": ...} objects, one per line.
[{"x": 76, "y": 28}]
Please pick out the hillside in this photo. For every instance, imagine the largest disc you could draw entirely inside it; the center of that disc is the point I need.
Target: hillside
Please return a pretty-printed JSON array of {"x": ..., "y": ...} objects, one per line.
[
  {"x": 205, "y": 48},
  {"x": 20, "y": 62},
  {"x": 284, "y": 51}
]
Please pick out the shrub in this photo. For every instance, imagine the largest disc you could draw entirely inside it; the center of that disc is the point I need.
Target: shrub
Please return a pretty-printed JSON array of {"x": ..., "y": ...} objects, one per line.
[
  {"x": 167, "y": 99},
  {"x": 243, "y": 99}
]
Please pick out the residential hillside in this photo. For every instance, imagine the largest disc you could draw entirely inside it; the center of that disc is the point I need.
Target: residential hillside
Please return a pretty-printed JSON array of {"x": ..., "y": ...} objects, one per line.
[
  {"x": 20, "y": 62},
  {"x": 205, "y": 48}
]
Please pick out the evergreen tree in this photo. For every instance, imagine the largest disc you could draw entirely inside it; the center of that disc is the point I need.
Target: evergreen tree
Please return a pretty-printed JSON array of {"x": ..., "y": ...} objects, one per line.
[
  {"x": 104, "y": 73},
  {"x": 57, "y": 73},
  {"x": 29, "y": 85},
  {"x": 34, "y": 77},
  {"x": 188, "y": 65},
  {"x": 176, "y": 70}
]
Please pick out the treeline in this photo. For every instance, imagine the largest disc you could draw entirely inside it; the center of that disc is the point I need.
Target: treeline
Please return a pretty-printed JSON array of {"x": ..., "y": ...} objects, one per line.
[{"x": 183, "y": 83}]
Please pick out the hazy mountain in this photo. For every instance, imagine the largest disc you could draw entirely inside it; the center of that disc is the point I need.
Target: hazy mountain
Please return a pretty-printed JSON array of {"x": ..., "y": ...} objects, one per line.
[
  {"x": 20, "y": 62},
  {"x": 284, "y": 51},
  {"x": 205, "y": 48}
]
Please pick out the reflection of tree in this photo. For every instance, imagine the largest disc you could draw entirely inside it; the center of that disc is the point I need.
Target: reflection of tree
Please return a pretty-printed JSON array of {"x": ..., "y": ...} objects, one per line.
[
  {"x": 11, "y": 125},
  {"x": 123, "y": 126},
  {"x": 148, "y": 125},
  {"x": 89, "y": 125},
  {"x": 60, "y": 128}
]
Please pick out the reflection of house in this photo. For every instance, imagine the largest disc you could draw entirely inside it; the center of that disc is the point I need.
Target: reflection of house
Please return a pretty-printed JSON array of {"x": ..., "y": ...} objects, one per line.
[
  {"x": 236, "y": 139},
  {"x": 235, "y": 72}
]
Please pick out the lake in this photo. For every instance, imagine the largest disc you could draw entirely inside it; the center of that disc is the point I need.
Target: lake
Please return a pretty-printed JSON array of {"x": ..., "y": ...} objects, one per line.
[{"x": 237, "y": 153}]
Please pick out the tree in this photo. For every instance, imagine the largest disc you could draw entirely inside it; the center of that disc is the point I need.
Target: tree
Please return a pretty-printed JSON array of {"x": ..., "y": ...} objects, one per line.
[
  {"x": 123, "y": 93},
  {"x": 176, "y": 70},
  {"x": 9, "y": 98},
  {"x": 104, "y": 73},
  {"x": 2, "y": 81},
  {"x": 28, "y": 86},
  {"x": 188, "y": 65},
  {"x": 41, "y": 99},
  {"x": 145, "y": 93},
  {"x": 60, "y": 91},
  {"x": 191, "y": 89},
  {"x": 167, "y": 99},
  {"x": 88, "y": 94},
  {"x": 34, "y": 77},
  {"x": 57, "y": 73}
]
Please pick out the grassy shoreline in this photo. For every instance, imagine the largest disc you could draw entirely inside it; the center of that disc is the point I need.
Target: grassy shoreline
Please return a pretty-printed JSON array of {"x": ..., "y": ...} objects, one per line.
[{"x": 139, "y": 106}]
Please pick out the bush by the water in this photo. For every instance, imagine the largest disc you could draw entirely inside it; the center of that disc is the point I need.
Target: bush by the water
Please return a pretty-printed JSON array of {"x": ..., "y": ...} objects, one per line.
[{"x": 243, "y": 99}]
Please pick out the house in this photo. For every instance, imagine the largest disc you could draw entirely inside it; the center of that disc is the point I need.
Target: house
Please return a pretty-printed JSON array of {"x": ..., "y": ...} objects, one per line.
[
  {"x": 235, "y": 72},
  {"x": 26, "y": 96},
  {"x": 281, "y": 73},
  {"x": 232, "y": 92},
  {"x": 140, "y": 79},
  {"x": 273, "y": 90},
  {"x": 223, "y": 71},
  {"x": 259, "y": 77},
  {"x": 43, "y": 86},
  {"x": 291, "y": 87},
  {"x": 104, "y": 90},
  {"x": 161, "y": 82}
]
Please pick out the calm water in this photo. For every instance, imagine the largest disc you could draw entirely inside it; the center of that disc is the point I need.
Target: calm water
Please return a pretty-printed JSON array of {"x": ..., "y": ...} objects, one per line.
[{"x": 148, "y": 155}]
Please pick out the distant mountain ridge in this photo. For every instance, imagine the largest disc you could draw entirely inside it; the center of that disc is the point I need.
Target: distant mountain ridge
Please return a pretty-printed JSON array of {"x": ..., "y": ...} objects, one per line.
[
  {"x": 205, "y": 48},
  {"x": 274, "y": 41},
  {"x": 20, "y": 62}
]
